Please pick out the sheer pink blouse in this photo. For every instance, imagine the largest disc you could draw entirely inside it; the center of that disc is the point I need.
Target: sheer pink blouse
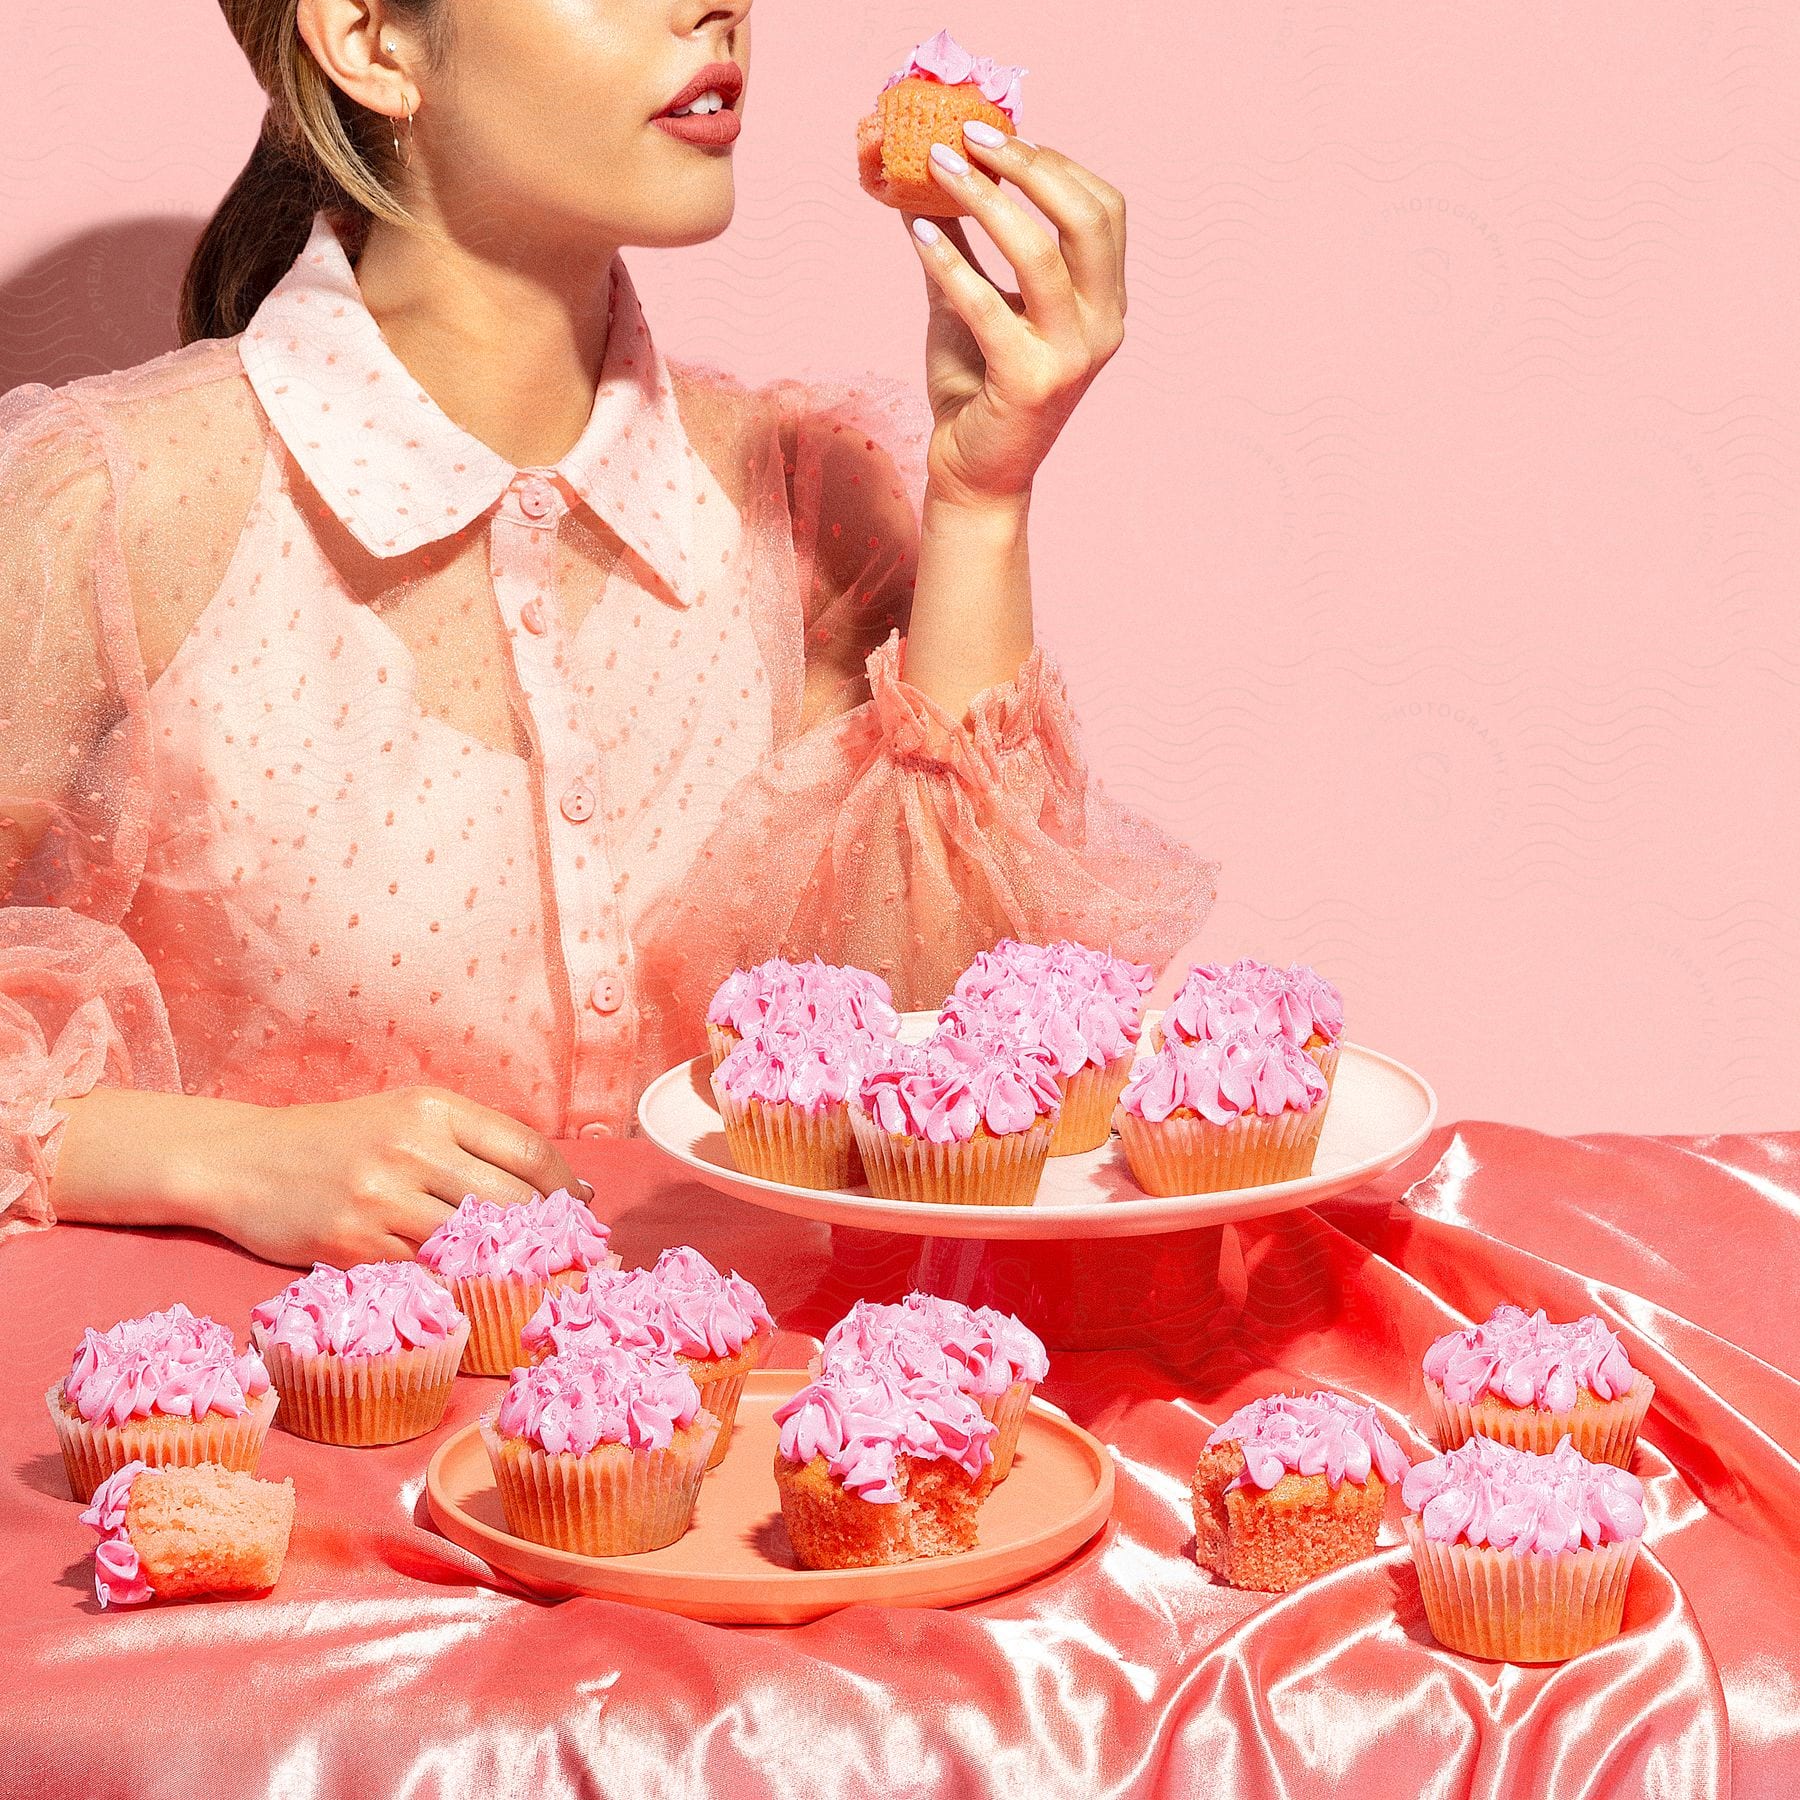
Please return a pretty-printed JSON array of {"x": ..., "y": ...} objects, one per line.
[{"x": 337, "y": 754}]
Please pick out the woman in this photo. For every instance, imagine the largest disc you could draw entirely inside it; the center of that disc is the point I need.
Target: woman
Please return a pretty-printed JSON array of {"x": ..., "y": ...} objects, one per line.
[{"x": 418, "y": 693}]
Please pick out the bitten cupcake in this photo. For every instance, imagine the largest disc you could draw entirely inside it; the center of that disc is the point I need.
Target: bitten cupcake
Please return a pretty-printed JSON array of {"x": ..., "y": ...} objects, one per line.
[
  {"x": 1523, "y": 1557},
  {"x": 814, "y": 992},
  {"x": 952, "y": 1123},
  {"x": 1254, "y": 998},
  {"x": 715, "y": 1326},
  {"x": 1522, "y": 1380},
  {"x": 364, "y": 1355},
  {"x": 995, "y": 1359},
  {"x": 170, "y": 1532},
  {"x": 169, "y": 1388},
  {"x": 498, "y": 1262},
  {"x": 599, "y": 1450},
  {"x": 1227, "y": 1113},
  {"x": 873, "y": 1469},
  {"x": 1291, "y": 1486}
]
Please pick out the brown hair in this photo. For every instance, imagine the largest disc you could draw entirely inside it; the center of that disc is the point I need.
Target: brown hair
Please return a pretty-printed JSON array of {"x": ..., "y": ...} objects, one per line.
[{"x": 317, "y": 148}]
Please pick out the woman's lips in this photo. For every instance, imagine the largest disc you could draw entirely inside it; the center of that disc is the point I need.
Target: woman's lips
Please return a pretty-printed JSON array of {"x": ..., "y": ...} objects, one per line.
[{"x": 716, "y": 128}]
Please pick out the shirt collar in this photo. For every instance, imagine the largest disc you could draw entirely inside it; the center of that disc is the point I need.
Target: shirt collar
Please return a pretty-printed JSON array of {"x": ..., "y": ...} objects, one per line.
[{"x": 399, "y": 473}]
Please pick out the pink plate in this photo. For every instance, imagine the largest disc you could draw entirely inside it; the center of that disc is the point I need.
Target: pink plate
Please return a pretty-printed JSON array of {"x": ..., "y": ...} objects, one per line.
[{"x": 734, "y": 1566}]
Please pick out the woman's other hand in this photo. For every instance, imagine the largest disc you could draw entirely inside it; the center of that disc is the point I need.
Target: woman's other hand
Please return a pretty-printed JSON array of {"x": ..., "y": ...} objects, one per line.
[{"x": 343, "y": 1181}]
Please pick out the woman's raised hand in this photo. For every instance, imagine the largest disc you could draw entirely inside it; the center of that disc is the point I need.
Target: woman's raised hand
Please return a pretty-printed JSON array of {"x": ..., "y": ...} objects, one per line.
[{"x": 1005, "y": 370}]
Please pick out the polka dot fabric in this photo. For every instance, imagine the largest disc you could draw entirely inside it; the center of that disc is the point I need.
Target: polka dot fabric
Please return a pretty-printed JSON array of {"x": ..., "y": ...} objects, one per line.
[{"x": 340, "y": 755}]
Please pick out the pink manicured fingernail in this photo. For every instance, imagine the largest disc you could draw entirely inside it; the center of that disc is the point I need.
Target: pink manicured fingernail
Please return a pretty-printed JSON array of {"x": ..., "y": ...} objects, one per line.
[
  {"x": 925, "y": 231},
  {"x": 979, "y": 131},
  {"x": 946, "y": 158}
]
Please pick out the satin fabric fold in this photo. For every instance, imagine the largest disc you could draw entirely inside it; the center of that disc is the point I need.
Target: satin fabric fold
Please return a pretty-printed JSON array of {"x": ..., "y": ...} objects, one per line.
[{"x": 387, "y": 1660}]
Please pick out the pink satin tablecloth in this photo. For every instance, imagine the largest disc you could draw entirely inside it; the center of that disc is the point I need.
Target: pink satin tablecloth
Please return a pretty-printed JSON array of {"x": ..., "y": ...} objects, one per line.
[{"x": 388, "y": 1661}]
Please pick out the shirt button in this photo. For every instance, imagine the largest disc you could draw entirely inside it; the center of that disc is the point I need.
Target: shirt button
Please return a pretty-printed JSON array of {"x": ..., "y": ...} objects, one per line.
[
  {"x": 595, "y": 1128},
  {"x": 607, "y": 994},
  {"x": 578, "y": 803},
  {"x": 537, "y": 498},
  {"x": 531, "y": 616}
]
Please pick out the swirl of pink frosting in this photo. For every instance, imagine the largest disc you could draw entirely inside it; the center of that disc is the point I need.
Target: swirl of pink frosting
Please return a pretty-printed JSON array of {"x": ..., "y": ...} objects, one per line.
[
  {"x": 613, "y": 1306},
  {"x": 984, "y": 1351},
  {"x": 1489, "y": 1493},
  {"x": 598, "y": 1393},
  {"x": 1525, "y": 1360},
  {"x": 1310, "y": 1434},
  {"x": 680, "y": 1306},
  {"x": 175, "y": 1364},
  {"x": 118, "y": 1575},
  {"x": 369, "y": 1309},
  {"x": 862, "y": 1420},
  {"x": 1224, "y": 1000},
  {"x": 815, "y": 991},
  {"x": 946, "y": 1088},
  {"x": 1078, "y": 1026},
  {"x": 538, "y": 1238},
  {"x": 942, "y": 58},
  {"x": 708, "y": 1314},
  {"x": 786, "y": 1062},
  {"x": 1224, "y": 1079},
  {"x": 1093, "y": 971}
]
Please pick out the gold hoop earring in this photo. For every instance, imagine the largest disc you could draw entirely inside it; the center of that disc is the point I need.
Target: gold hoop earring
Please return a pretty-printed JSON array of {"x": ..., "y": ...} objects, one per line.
[{"x": 404, "y": 157}]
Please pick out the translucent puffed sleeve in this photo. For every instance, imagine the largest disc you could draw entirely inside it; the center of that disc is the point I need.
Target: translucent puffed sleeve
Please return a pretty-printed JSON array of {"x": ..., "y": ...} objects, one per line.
[
  {"x": 881, "y": 831},
  {"x": 79, "y": 1006}
]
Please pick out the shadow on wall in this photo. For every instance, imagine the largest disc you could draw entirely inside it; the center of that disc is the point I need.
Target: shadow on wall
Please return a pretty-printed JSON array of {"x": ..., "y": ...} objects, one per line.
[{"x": 103, "y": 300}]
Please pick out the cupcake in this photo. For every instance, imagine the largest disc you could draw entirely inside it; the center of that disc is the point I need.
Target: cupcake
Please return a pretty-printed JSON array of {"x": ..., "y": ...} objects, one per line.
[
  {"x": 1523, "y": 1557},
  {"x": 170, "y": 1532},
  {"x": 814, "y": 992},
  {"x": 498, "y": 1262},
  {"x": 1256, "y": 998},
  {"x": 783, "y": 1093},
  {"x": 954, "y": 1123},
  {"x": 169, "y": 1388},
  {"x": 715, "y": 1326},
  {"x": 364, "y": 1355},
  {"x": 993, "y": 1357},
  {"x": 1521, "y": 1380},
  {"x": 1291, "y": 1486},
  {"x": 1097, "y": 971},
  {"x": 599, "y": 1450},
  {"x": 1226, "y": 1113},
  {"x": 874, "y": 1469},
  {"x": 927, "y": 101}
]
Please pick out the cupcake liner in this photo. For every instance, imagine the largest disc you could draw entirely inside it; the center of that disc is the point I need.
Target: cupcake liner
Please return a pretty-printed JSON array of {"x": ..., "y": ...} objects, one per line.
[
  {"x": 614, "y": 1501},
  {"x": 362, "y": 1400},
  {"x": 978, "y": 1171},
  {"x": 1007, "y": 1411},
  {"x": 721, "y": 1041},
  {"x": 721, "y": 1383},
  {"x": 1088, "y": 1099},
  {"x": 1521, "y": 1606},
  {"x": 91, "y": 1452},
  {"x": 1602, "y": 1430},
  {"x": 1326, "y": 1056},
  {"x": 498, "y": 1308},
  {"x": 776, "y": 1142},
  {"x": 1192, "y": 1155}
]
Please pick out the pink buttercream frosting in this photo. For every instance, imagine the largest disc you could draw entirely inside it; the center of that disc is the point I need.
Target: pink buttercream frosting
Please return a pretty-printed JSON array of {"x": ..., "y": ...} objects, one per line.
[
  {"x": 942, "y": 58},
  {"x": 369, "y": 1309},
  {"x": 598, "y": 1393},
  {"x": 1310, "y": 1434},
  {"x": 680, "y": 1306},
  {"x": 1489, "y": 1493},
  {"x": 863, "y": 1420},
  {"x": 982, "y": 1350},
  {"x": 1256, "y": 998},
  {"x": 538, "y": 1238},
  {"x": 815, "y": 992},
  {"x": 1094, "y": 971},
  {"x": 788, "y": 1062},
  {"x": 1078, "y": 1026},
  {"x": 176, "y": 1364},
  {"x": 1224, "y": 1079},
  {"x": 946, "y": 1088},
  {"x": 118, "y": 1575},
  {"x": 1526, "y": 1360}
]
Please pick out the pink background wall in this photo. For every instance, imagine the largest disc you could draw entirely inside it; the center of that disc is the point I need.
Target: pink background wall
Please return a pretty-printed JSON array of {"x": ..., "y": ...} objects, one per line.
[{"x": 1428, "y": 552}]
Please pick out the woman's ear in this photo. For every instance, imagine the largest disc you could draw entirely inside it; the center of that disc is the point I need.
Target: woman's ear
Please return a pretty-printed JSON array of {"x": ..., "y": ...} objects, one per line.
[{"x": 364, "y": 51}]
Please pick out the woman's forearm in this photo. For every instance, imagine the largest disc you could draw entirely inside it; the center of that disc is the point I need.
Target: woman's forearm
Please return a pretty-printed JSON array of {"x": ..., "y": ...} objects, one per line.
[{"x": 971, "y": 608}]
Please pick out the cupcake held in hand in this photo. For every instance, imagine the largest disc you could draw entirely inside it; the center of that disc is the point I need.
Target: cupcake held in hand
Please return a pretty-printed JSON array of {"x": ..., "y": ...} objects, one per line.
[
  {"x": 364, "y": 1355},
  {"x": 498, "y": 1261},
  {"x": 169, "y": 1388},
  {"x": 1290, "y": 1487}
]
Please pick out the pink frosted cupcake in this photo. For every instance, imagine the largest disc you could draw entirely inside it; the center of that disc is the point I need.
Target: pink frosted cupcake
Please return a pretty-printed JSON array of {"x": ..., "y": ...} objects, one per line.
[
  {"x": 715, "y": 1326},
  {"x": 873, "y": 1469},
  {"x": 364, "y": 1355},
  {"x": 1227, "y": 1113},
  {"x": 952, "y": 1123},
  {"x": 498, "y": 1262},
  {"x": 599, "y": 1450},
  {"x": 1254, "y": 998},
  {"x": 1523, "y": 1557},
  {"x": 814, "y": 991},
  {"x": 170, "y": 1532},
  {"x": 993, "y": 1357},
  {"x": 1521, "y": 1380},
  {"x": 784, "y": 1094},
  {"x": 169, "y": 1388}
]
